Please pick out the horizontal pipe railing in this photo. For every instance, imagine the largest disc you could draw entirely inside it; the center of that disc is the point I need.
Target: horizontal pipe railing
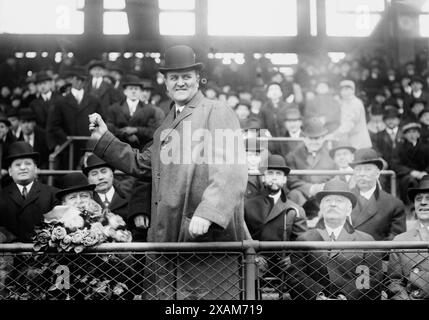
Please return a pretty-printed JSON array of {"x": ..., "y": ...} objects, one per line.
[{"x": 237, "y": 246}]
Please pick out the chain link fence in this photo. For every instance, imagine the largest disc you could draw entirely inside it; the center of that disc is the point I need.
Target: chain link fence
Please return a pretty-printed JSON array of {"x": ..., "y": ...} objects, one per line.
[{"x": 212, "y": 271}]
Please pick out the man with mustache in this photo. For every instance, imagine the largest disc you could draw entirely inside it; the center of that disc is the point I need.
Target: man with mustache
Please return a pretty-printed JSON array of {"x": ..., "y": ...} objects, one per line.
[
  {"x": 376, "y": 212},
  {"x": 409, "y": 271},
  {"x": 336, "y": 274}
]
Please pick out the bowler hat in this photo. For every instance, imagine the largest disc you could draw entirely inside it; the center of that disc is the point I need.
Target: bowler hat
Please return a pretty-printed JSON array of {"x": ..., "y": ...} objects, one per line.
[
  {"x": 408, "y": 125},
  {"x": 12, "y": 112},
  {"x": 74, "y": 182},
  {"x": 78, "y": 72},
  {"x": 314, "y": 128},
  {"x": 94, "y": 162},
  {"x": 391, "y": 113},
  {"x": 277, "y": 162},
  {"x": 367, "y": 156},
  {"x": 26, "y": 114},
  {"x": 291, "y": 114},
  {"x": 96, "y": 63},
  {"x": 179, "y": 57},
  {"x": 132, "y": 80},
  {"x": 417, "y": 79},
  {"x": 336, "y": 187},
  {"x": 377, "y": 109},
  {"x": 42, "y": 76},
  {"x": 20, "y": 150},
  {"x": 337, "y": 145},
  {"x": 422, "y": 188},
  {"x": 4, "y": 119}
]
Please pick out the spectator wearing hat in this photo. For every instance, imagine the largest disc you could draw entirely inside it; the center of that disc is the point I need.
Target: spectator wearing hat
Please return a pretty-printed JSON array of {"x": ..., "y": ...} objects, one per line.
[
  {"x": 416, "y": 106},
  {"x": 291, "y": 120},
  {"x": 396, "y": 99},
  {"x": 409, "y": 271},
  {"x": 353, "y": 120},
  {"x": 416, "y": 93},
  {"x": 313, "y": 154},
  {"x": 99, "y": 87},
  {"x": 411, "y": 158},
  {"x": 23, "y": 202},
  {"x": 109, "y": 195},
  {"x": 256, "y": 154},
  {"x": 44, "y": 104},
  {"x": 424, "y": 121},
  {"x": 70, "y": 115},
  {"x": 324, "y": 105},
  {"x": 375, "y": 123},
  {"x": 14, "y": 128},
  {"x": 343, "y": 154},
  {"x": 378, "y": 213},
  {"x": 132, "y": 120},
  {"x": 331, "y": 275},
  {"x": 34, "y": 135},
  {"x": 270, "y": 216},
  {"x": 75, "y": 190}
]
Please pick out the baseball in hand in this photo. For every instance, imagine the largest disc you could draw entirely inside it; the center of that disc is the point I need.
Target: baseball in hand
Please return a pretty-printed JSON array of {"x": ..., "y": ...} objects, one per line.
[{"x": 97, "y": 126}]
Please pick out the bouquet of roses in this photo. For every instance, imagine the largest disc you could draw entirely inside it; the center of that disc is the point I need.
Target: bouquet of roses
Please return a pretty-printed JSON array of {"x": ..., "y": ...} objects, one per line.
[{"x": 67, "y": 228}]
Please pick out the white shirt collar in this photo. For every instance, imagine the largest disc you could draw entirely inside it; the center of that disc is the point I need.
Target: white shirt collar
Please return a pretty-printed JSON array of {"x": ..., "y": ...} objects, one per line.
[
  {"x": 47, "y": 95},
  {"x": 17, "y": 132},
  {"x": 109, "y": 194},
  {"x": 78, "y": 94},
  {"x": 368, "y": 194},
  {"x": 276, "y": 196},
  {"x": 30, "y": 139},
  {"x": 423, "y": 226},
  {"x": 179, "y": 108},
  {"x": 390, "y": 131},
  {"x": 28, "y": 186},
  {"x": 96, "y": 82},
  {"x": 295, "y": 134},
  {"x": 336, "y": 231}
]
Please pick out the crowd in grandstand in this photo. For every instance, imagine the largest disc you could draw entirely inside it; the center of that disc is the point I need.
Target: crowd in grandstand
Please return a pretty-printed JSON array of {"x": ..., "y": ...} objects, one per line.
[{"x": 356, "y": 117}]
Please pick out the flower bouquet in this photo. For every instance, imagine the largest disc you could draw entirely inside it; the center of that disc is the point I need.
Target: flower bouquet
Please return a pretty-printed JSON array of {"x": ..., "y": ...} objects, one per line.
[{"x": 67, "y": 228}]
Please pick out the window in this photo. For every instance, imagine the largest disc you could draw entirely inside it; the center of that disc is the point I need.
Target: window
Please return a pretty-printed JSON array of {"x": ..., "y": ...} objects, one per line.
[
  {"x": 42, "y": 17},
  {"x": 177, "y": 17},
  {"x": 115, "y": 21},
  {"x": 252, "y": 17},
  {"x": 352, "y": 18},
  {"x": 424, "y": 20}
]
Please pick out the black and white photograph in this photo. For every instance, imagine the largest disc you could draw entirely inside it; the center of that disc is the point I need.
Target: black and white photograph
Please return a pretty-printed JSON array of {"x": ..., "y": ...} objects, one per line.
[{"x": 214, "y": 156}]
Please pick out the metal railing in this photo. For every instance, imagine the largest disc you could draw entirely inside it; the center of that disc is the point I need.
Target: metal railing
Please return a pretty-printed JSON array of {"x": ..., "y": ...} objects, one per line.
[{"x": 221, "y": 270}]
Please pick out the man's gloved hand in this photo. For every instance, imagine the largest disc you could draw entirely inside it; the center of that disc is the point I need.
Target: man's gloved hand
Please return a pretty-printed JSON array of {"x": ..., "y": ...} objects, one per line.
[{"x": 198, "y": 226}]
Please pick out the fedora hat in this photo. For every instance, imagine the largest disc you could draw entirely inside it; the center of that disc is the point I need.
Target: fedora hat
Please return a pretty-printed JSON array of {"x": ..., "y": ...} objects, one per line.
[
  {"x": 26, "y": 114},
  {"x": 4, "y": 119},
  {"x": 73, "y": 182},
  {"x": 390, "y": 113},
  {"x": 336, "y": 187},
  {"x": 179, "y": 57},
  {"x": 417, "y": 79},
  {"x": 132, "y": 80},
  {"x": 337, "y": 145},
  {"x": 78, "y": 72},
  {"x": 422, "y": 188},
  {"x": 314, "y": 128},
  {"x": 94, "y": 162},
  {"x": 20, "y": 150},
  {"x": 277, "y": 162},
  {"x": 367, "y": 156},
  {"x": 291, "y": 114},
  {"x": 42, "y": 76},
  {"x": 96, "y": 63}
]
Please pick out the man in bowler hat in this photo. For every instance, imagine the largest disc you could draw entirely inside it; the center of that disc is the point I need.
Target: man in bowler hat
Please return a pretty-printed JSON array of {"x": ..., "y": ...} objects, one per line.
[{"x": 190, "y": 201}]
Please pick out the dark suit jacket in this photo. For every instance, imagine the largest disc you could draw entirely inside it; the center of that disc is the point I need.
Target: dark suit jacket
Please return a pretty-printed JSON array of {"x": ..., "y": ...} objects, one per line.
[
  {"x": 106, "y": 94},
  {"x": 145, "y": 119},
  {"x": 42, "y": 109},
  {"x": 70, "y": 118},
  {"x": 386, "y": 147},
  {"x": 383, "y": 217},
  {"x": 254, "y": 186},
  {"x": 20, "y": 216},
  {"x": 299, "y": 159},
  {"x": 409, "y": 157},
  {"x": 268, "y": 224},
  {"x": 40, "y": 146},
  {"x": 335, "y": 272}
]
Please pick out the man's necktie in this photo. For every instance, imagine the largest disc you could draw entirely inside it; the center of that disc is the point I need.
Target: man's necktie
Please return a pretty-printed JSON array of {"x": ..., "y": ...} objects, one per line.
[
  {"x": 332, "y": 236},
  {"x": 177, "y": 113},
  {"x": 24, "y": 192},
  {"x": 106, "y": 201}
]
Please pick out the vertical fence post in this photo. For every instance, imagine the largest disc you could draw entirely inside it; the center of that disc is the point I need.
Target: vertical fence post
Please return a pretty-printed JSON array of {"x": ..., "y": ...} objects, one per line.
[
  {"x": 51, "y": 167},
  {"x": 250, "y": 269},
  {"x": 71, "y": 155},
  {"x": 393, "y": 183}
]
